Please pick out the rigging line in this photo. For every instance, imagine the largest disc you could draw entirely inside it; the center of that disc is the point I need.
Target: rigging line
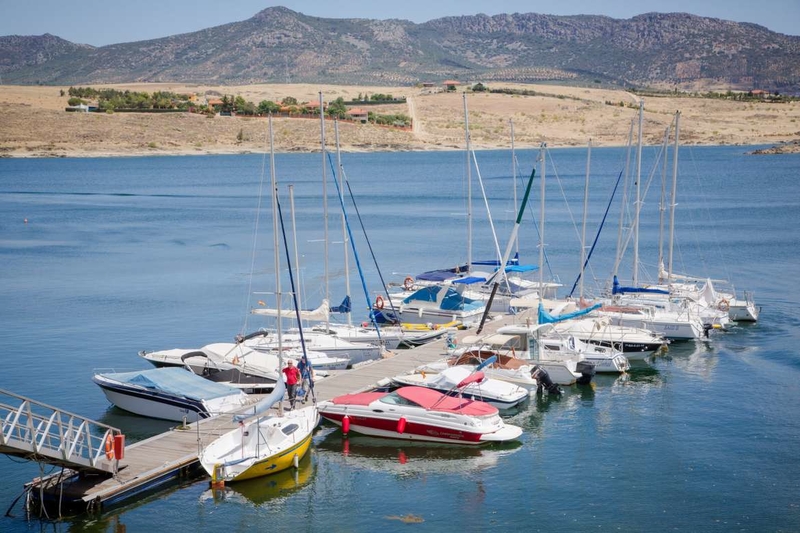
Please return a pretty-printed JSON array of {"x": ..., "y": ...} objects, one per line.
[
  {"x": 371, "y": 250},
  {"x": 491, "y": 222},
  {"x": 597, "y": 236},
  {"x": 291, "y": 278},
  {"x": 353, "y": 244},
  {"x": 255, "y": 236}
]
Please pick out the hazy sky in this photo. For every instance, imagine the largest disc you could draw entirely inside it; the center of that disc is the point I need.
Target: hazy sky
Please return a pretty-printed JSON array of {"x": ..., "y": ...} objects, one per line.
[{"x": 101, "y": 22}]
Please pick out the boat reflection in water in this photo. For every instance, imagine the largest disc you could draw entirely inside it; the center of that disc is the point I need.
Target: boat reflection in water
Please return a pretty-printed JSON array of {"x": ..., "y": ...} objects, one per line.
[
  {"x": 266, "y": 489},
  {"x": 411, "y": 458}
]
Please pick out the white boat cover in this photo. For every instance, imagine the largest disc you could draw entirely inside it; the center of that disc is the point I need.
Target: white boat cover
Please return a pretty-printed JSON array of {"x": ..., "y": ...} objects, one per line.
[
  {"x": 321, "y": 313},
  {"x": 175, "y": 381}
]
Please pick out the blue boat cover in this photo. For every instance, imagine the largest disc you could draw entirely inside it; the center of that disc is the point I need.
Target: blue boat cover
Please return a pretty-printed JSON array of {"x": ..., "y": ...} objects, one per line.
[
  {"x": 344, "y": 307},
  {"x": 452, "y": 301},
  {"x": 547, "y": 318},
  {"x": 175, "y": 381},
  {"x": 616, "y": 289},
  {"x": 469, "y": 280},
  {"x": 521, "y": 268}
]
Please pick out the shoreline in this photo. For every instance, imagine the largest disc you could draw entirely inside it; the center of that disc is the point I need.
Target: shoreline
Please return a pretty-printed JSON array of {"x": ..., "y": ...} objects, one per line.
[{"x": 35, "y": 124}]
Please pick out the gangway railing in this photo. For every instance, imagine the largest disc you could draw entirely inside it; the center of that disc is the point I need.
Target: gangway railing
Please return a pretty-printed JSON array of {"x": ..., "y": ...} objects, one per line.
[{"x": 39, "y": 432}]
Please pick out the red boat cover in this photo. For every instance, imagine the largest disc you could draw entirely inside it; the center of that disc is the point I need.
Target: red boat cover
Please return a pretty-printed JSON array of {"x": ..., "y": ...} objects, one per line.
[
  {"x": 363, "y": 398},
  {"x": 436, "y": 401}
]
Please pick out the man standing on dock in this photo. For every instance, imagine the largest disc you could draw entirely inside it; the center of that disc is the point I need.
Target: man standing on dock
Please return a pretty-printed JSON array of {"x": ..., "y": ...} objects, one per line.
[{"x": 292, "y": 378}]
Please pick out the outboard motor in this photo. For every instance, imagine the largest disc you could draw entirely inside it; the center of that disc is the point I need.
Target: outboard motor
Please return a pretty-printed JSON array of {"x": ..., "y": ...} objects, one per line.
[
  {"x": 587, "y": 371},
  {"x": 543, "y": 378},
  {"x": 706, "y": 329}
]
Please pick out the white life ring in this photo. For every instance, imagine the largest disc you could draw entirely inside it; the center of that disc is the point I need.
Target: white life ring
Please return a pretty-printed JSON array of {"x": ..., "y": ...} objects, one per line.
[
  {"x": 379, "y": 302},
  {"x": 724, "y": 305}
]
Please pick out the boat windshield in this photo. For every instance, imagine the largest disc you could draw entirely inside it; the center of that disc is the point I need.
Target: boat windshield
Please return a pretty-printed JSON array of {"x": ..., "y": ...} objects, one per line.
[{"x": 395, "y": 399}]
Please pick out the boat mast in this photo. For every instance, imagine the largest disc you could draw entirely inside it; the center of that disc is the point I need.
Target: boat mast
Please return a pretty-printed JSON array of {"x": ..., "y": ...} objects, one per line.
[
  {"x": 638, "y": 197},
  {"x": 324, "y": 203},
  {"x": 469, "y": 186},
  {"x": 541, "y": 221},
  {"x": 296, "y": 252},
  {"x": 662, "y": 207},
  {"x": 345, "y": 240},
  {"x": 275, "y": 244},
  {"x": 624, "y": 203},
  {"x": 514, "y": 176},
  {"x": 674, "y": 191},
  {"x": 585, "y": 211}
]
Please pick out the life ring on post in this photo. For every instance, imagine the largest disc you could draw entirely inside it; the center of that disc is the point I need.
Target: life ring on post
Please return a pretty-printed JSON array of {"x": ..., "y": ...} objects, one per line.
[
  {"x": 724, "y": 305},
  {"x": 408, "y": 283},
  {"x": 379, "y": 302},
  {"x": 110, "y": 447}
]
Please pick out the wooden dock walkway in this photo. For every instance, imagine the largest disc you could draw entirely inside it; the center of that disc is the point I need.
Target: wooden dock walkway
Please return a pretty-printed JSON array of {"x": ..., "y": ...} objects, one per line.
[{"x": 174, "y": 454}]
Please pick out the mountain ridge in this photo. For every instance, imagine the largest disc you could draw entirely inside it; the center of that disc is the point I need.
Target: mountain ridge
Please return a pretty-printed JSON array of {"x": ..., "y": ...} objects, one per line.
[{"x": 279, "y": 45}]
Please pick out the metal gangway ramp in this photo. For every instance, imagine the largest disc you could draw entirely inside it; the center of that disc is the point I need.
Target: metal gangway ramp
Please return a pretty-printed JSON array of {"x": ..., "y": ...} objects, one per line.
[{"x": 38, "y": 432}]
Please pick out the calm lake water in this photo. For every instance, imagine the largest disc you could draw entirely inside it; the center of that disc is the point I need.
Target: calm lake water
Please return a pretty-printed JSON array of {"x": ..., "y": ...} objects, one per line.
[{"x": 120, "y": 255}]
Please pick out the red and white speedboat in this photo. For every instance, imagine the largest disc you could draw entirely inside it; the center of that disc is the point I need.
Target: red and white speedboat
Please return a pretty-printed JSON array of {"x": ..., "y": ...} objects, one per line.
[{"x": 418, "y": 413}]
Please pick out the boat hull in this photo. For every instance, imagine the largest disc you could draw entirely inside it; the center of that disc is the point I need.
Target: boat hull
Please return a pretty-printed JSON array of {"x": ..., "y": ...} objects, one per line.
[
  {"x": 161, "y": 406},
  {"x": 414, "y": 430},
  {"x": 276, "y": 463}
]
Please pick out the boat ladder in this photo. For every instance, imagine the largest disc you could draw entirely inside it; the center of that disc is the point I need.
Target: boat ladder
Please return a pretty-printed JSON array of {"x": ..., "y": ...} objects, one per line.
[{"x": 39, "y": 432}]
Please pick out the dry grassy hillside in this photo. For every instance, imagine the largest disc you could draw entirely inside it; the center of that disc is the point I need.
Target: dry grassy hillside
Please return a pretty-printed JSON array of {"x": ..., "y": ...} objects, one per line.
[{"x": 35, "y": 124}]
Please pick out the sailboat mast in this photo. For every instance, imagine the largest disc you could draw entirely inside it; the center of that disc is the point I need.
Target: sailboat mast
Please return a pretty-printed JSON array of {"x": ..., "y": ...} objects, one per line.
[
  {"x": 469, "y": 186},
  {"x": 345, "y": 240},
  {"x": 674, "y": 191},
  {"x": 585, "y": 212},
  {"x": 624, "y": 203},
  {"x": 662, "y": 207},
  {"x": 296, "y": 252},
  {"x": 274, "y": 184},
  {"x": 514, "y": 176},
  {"x": 541, "y": 221},
  {"x": 324, "y": 201},
  {"x": 638, "y": 197}
]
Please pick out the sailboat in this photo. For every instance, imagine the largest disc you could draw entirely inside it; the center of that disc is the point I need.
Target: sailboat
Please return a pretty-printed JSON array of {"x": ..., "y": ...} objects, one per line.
[{"x": 264, "y": 443}]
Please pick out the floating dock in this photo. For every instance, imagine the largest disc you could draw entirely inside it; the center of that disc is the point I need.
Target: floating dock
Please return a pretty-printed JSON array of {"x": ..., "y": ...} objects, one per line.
[{"x": 149, "y": 464}]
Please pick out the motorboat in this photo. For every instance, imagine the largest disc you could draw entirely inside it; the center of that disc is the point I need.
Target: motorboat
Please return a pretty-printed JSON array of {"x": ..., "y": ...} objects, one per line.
[
  {"x": 419, "y": 414},
  {"x": 229, "y": 363},
  {"x": 434, "y": 304},
  {"x": 494, "y": 365},
  {"x": 170, "y": 394},
  {"x": 450, "y": 381},
  {"x": 337, "y": 351},
  {"x": 388, "y": 336}
]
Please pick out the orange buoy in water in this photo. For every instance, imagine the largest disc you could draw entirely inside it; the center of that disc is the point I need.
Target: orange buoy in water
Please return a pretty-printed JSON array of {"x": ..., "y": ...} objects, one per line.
[
  {"x": 401, "y": 425},
  {"x": 346, "y": 425}
]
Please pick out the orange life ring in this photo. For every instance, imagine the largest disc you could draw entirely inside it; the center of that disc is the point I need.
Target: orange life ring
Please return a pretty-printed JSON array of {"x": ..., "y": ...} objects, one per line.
[
  {"x": 110, "y": 447},
  {"x": 408, "y": 283},
  {"x": 379, "y": 302}
]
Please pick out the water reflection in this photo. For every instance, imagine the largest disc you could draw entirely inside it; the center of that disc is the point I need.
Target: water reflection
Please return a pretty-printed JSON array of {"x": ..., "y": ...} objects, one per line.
[
  {"x": 697, "y": 357},
  {"x": 407, "y": 458},
  {"x": 135, "y": 427},
  {"x": 267, "y": 489}
]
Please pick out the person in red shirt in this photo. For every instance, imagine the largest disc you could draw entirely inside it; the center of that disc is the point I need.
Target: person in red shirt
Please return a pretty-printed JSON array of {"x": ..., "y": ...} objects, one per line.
[{"x": 292, "y": 378}]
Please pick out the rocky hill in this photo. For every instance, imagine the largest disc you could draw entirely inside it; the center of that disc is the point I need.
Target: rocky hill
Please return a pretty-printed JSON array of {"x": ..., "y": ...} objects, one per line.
[{"x": 280, "y": 45}]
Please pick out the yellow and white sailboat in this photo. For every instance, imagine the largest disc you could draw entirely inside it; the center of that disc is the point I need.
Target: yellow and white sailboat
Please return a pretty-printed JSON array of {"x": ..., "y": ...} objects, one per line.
[{"x": 265, "y": 442}]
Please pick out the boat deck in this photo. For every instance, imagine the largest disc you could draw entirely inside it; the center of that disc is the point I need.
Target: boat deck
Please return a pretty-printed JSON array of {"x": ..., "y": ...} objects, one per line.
[{"x": 174, "y": 454}]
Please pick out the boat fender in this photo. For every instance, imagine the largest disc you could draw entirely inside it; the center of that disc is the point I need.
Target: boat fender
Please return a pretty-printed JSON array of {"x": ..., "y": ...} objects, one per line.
[
  {"x": 544, "y": 382},
  {"x": 119, "y": 447},
  {"x": 346, "y": 425},
  {"x": 401, "y": 425},
  {"x": 586, "y": 370},
  {"x": 296, "y": 461},
  {"x": 110, "y": 447}
]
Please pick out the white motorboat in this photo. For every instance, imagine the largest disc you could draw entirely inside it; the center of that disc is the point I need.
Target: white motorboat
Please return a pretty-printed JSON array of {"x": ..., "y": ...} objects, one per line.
[
  {"x": 434, "y": 304},
  {"x": 450, "y": 381},
  {"x": 229, "y": 363},
  {"x": 318, "y": 342},
  {"x": 169, "y": 394},
  {"x": 419, "y": 414}
]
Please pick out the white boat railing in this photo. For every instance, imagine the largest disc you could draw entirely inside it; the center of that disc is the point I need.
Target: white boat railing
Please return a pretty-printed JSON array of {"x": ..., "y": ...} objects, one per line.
[{"x": 39, "y": 432}]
